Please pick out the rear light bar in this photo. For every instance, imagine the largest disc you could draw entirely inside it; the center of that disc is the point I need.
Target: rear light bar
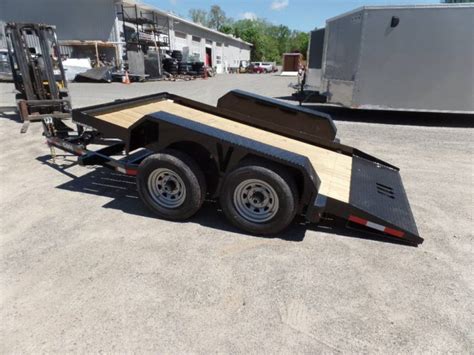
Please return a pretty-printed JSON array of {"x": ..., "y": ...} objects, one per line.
[
  {"x": 132, "y": 172},
  {"x": 379, "y": 227}
]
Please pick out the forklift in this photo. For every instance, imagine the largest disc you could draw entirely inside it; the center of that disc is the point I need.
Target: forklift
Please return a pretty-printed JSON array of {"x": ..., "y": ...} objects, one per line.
[{"x": 38, "y": 73}]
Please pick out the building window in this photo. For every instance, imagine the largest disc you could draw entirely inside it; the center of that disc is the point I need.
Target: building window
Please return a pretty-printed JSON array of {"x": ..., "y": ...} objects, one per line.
[
  {"x": 196, "y": 39},
  {"x": 180, "y": 34},
  {"x": 218, "y": 44},
  {"x": 208, "y": 42}
]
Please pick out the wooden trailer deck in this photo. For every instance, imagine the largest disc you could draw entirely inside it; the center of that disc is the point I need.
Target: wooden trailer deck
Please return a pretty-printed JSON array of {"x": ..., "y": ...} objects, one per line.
[{"x": 333, "y": 169}]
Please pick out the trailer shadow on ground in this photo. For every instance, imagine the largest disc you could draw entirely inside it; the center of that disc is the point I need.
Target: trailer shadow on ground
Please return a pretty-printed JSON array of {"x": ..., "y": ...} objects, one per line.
[
  {"x": 403, "y": 118},
  {"x": 121, "y": 189}
]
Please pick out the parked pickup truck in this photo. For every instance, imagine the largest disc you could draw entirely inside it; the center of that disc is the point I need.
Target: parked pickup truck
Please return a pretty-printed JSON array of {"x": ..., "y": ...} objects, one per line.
[{"x": 262, "y": 67}]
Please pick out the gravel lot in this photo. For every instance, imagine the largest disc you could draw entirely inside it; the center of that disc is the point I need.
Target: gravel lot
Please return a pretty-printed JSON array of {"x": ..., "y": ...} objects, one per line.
[{"x": 86, "y": 268}]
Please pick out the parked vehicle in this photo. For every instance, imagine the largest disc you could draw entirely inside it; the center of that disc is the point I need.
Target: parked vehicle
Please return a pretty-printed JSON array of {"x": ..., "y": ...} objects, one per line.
[
  {"x": 407, "y": 58},
  {"x": 262, "y": 67},
  {"x": 244, "y": 66},
  {"x": 268, "y": 67},
  {"x": 265, "y": 161},
  {"x": 255, "y": 67}
]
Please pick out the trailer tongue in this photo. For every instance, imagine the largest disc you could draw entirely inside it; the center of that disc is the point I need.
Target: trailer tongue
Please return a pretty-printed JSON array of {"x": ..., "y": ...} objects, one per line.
[{"x": 264, "y": 160}]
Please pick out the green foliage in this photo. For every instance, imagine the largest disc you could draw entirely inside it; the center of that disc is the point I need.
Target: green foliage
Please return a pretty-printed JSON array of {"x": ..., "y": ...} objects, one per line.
[
  {"x": 198, "y": 16},
  {"x": 269, "y": 41},
  {"x": 227, "y": 29},
  {"x": 216, "y": 17},
  {"x": 300, "y": 42}
]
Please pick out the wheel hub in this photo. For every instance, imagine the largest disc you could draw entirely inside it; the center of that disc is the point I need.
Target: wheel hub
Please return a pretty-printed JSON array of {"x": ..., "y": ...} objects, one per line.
[
  {"x": 258, "y": 197},
  {"x": 256, "y": 201},
  {"x": 166, "y": 188},
  {"x": 170, "y": 184}
]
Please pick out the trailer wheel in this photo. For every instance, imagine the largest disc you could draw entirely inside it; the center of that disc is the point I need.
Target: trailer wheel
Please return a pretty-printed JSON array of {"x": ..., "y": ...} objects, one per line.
[
  {"x": 171, "y": 184},
  {"x": 260, "y": 199}
]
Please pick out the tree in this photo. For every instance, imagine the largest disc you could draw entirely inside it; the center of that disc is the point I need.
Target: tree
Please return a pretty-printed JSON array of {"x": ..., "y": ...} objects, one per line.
[
  {"x": 227, "y": 29},
  {"x": 249, "y": 32},
  {"x": 300, "y": 42},
  {"x": 198, "y": 16},
  {"x": 216, "y": 17},
  {"x": 269, "y": 41},
  {"x": 282, "y": 35}
]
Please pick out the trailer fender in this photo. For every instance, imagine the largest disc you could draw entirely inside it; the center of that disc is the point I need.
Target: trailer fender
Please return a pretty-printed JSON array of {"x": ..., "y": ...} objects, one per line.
[{"x": 226, "y": 149}]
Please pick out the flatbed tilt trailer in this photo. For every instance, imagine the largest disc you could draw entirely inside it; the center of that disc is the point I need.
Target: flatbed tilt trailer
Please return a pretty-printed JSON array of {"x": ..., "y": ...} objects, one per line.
[{"x": 265, "y": 161}]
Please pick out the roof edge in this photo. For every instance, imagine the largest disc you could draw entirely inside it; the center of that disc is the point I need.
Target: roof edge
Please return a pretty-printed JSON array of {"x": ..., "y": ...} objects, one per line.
[
  {"x": 394, "y": 7},
  {"x": 189, "y": 22}
]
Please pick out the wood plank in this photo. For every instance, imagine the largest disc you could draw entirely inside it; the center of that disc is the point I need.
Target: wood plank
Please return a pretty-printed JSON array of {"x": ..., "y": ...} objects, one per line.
[
  {"x": 121, "y": 119},
  {"x": 333, "y": 169}
]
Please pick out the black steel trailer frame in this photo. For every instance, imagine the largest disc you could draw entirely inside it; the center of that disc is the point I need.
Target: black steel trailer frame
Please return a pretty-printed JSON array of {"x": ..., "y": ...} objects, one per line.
[{"x": 377, "y": 204}]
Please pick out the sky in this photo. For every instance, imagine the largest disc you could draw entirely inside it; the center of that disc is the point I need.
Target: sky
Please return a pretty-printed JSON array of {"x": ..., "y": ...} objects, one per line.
[{"x": 303, "y": 15}]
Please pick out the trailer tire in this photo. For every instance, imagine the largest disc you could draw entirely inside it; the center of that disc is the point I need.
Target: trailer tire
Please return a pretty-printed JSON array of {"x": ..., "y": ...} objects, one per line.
[
  {"x": 171, "y": 184},
  {"x": 276, "y": 203}
]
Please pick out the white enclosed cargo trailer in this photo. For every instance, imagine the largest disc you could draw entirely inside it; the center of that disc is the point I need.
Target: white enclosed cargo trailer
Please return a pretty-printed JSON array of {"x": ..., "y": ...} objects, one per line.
[{"x": 411, "y": 58}]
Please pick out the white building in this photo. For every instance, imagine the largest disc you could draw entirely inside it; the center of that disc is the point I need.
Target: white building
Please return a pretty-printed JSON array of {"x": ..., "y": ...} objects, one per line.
[
  {"x": 198, "y": 41},
  {"x": 87, "y": 28}
]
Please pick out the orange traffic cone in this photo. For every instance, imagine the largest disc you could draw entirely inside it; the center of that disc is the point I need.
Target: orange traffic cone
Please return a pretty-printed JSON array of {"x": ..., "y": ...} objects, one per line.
[{"x": 126, "y": 79}]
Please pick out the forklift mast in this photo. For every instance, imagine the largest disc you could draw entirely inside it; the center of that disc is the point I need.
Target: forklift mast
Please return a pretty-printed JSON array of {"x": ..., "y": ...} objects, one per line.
[{"x": 38, "y": 72}]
